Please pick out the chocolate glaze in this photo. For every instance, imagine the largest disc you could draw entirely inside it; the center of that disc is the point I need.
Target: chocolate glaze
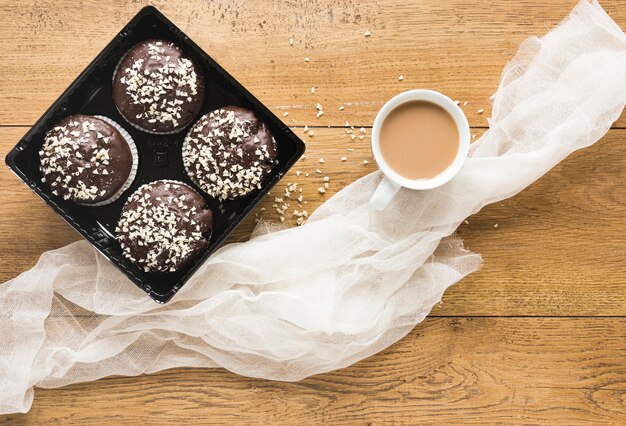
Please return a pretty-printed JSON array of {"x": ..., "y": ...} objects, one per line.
[
  {"x": 157, "y": 88},
  {"x": 229, "y": 153},
  {"x": 85, "y": 159},
  {"x": 164, "y": 226}
]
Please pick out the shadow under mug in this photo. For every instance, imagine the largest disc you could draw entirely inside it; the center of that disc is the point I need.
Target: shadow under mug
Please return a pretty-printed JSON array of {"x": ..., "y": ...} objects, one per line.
[{"x": 393, "y": 181}]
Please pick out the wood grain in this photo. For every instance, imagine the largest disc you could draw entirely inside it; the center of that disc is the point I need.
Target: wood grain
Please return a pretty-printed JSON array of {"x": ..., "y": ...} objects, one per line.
[
  {"x": 558, "y": 249},
  {"x": 538, "y": 336},
  {"x": 456, "y": 46},
  {"x": 447, "y": 371}
]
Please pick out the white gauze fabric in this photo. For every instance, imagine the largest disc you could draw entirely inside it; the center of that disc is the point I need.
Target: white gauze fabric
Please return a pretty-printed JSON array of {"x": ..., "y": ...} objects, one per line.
[{"x": 291, "y": 303}]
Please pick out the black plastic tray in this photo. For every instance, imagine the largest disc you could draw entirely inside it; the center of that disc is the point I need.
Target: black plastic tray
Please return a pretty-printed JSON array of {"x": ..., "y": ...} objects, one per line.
[{"x": 159, "y": 156}]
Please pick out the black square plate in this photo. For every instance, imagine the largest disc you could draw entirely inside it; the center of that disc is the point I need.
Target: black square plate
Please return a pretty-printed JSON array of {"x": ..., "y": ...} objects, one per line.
[{"x": 159, "y": 156}]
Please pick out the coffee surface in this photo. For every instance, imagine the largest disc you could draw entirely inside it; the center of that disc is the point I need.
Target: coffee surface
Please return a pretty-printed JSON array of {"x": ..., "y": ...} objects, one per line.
[{"x": 419, "y": 139}]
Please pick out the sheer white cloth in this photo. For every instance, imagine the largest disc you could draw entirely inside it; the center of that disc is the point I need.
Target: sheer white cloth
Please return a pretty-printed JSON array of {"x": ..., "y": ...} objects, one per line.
[{"x": 291, "y": 303}]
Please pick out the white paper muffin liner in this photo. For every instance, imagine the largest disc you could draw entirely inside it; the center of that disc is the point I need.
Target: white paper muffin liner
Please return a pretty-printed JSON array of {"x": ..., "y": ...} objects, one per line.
[
  {"x": 189, "y": 174},
  {"x": 152, "y": 132},
  {"x": 133, "y": 168}
]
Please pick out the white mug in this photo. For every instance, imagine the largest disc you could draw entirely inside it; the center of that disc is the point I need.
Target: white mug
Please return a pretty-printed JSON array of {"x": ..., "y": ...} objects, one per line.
[{"x": 393, "y": 181}]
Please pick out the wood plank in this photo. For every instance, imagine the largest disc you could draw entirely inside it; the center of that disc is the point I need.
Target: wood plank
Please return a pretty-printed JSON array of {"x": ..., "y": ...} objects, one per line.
[
  {"x": 558, "y": 249},
  {"x": 447, "y": 371},
  {"x": 456, "y": 46}
]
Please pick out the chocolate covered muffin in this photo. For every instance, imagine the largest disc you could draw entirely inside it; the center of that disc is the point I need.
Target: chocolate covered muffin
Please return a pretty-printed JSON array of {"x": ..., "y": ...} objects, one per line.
[
  {"x": 164, "y": 226},
  {"x": 157, "y": 88},
  {"x": 229, "y": 153},
  {"x": 87, "y": 159}
]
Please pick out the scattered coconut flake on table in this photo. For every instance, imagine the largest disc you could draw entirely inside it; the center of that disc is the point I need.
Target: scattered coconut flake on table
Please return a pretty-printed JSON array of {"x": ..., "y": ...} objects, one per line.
[
  {"x": 401, "y": 78},
  {"x": 328, "y": 315},
  {"x": 367, "y": 33}
]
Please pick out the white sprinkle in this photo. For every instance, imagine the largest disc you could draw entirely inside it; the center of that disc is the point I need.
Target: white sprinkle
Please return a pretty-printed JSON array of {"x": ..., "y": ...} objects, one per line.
[
  {"x": 290, "y": 42},
  {"x": 401, "y": 78},
  {"x": 362, "y": 130},
  {"x": 318, "y": 171},
  {"x": 306, "y": 59},
  {"x": 319, "y": 114},
  {"x": 473, "y": 136},
  {"x": 326, "y": 179},
  {"x": 344, "y": 158},
  {"x": 480, "y": 111},
  {"x": 466, "y": 222},
  {"x": 365, "y": 162},
  {"x": 311, "y": 133},
  {"x": 341, "y": 108},
  {"x": 321, "y": 161},
  {"x": 312, "y": 89},
  {"x": 367, "y": 33},
  {"x": 306, "y": 129},
  {"x": 298, "y": 172},
  {"x": 495, "y": 226},
  {"x": 285, "y": 114},
  {"x": 465, "y": 103},
  {"x": 321, "y": 190}
]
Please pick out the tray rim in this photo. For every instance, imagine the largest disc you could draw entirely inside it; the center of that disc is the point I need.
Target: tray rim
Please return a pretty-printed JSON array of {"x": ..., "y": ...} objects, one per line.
[{"x": 94, "y": 238}]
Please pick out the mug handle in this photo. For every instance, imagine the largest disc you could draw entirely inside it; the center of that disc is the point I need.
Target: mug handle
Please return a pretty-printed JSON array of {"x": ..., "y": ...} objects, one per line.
[{"x": 384, "y": 194}]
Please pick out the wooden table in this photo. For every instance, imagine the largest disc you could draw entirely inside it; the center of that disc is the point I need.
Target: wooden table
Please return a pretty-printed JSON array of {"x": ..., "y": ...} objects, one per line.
[{"x": 537, "y": 336}]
